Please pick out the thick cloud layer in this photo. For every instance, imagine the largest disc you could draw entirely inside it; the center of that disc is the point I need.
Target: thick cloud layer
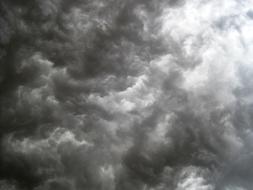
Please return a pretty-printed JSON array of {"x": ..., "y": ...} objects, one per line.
[{"x": 126, "y": 95}]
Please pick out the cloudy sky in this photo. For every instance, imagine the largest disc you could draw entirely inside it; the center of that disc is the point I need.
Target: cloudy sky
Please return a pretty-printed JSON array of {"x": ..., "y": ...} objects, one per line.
[{"x": 126, "y": 94}]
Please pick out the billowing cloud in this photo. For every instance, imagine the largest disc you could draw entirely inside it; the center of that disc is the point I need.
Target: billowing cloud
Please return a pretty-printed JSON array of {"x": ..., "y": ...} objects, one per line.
[{"x": 126, "y": 95}]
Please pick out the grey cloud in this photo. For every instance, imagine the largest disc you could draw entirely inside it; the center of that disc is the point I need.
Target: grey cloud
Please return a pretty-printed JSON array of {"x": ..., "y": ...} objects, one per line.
[
  {"x": 250, "y": 14},
  {"x": 145, "y": 95}
]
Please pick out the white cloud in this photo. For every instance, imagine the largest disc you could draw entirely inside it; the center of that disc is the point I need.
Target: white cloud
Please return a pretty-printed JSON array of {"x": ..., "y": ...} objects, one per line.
[
  {"x": 218, "y": 34},
  {"x": 190, "y": 179},
  {"x": 57, "y": 137}
]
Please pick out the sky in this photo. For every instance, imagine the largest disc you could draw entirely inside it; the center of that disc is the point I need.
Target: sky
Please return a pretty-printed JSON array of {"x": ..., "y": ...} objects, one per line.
[{"x": 126, "y": 94}]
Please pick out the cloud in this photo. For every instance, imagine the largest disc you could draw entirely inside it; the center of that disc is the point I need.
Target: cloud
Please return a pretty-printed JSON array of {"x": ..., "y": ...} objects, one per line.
[{"x": 145, "y": 95}]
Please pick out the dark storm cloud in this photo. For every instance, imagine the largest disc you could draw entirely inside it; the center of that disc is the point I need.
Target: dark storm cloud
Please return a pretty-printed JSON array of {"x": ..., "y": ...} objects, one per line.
[{"x": 124, "y": 95}]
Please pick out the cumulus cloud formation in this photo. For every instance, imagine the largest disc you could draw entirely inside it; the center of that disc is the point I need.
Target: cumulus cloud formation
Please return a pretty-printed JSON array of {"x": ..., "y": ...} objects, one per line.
[{"x": 126, "y": 95}]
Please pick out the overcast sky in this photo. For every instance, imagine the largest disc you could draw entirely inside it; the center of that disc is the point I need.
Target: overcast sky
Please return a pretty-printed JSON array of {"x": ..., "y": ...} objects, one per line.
[{"x": 126, "y": 94}]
